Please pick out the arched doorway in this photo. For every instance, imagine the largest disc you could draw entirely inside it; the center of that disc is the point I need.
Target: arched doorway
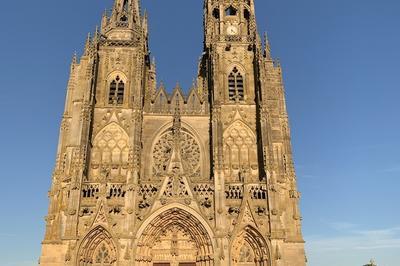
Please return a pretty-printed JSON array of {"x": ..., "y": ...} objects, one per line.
[
  {"x": 175, "y": 237},
  {"x": 97, "y": 249},
  {"x": 249, "y": 248}
]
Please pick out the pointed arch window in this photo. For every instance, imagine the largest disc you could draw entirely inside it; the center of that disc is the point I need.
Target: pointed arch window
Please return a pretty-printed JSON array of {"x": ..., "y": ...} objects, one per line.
[
  {"x": 117, "y": 90},
  {"x": 236, "y": 86},
  {"x": 216, "y": 13},
  {"x": 126, "y": 6},
  {"x": 231, "y": 11}
]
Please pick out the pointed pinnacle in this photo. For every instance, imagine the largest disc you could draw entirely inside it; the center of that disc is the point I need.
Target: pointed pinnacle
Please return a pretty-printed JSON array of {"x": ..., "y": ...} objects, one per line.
[
  {"x": 267, "y": 46},
  {"x": 96, "y": 35},
  {"x": 74, "y": 61},
  {"x": 74, "y": 58}
]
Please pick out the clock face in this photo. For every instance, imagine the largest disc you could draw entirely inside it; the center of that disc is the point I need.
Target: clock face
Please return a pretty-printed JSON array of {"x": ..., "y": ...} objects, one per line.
[{"x": 232, "y": 30}]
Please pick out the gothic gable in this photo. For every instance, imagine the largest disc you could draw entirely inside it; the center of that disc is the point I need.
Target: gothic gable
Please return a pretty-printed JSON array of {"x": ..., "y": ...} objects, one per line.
[
  {"x": 240, "y": 151},
  {"x": 110, "y": 154}
]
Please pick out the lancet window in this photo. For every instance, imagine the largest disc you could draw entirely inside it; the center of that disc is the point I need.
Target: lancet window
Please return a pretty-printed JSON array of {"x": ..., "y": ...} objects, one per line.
[
  {"x": 236, "y": 85},
  {"x": 216, "y": 13},
  {"x": 231, "y": 11},
  {"x": 126, "y": 5},
  {"x": 117, "y": 90}
]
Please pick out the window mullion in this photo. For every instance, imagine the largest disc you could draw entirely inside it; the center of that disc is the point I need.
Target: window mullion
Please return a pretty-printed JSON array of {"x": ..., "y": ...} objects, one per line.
[{"x": 236, "y": 88}]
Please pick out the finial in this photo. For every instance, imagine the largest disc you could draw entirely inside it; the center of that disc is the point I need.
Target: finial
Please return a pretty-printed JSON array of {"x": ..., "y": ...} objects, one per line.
[
  {"x": 96, "y": 35},
  {"x": 88, "y": 44},
  {"x": 74, "y": 61},
  {"x": 75, "y": 58},
  {"x": 267, "y": 46},
  {"x": 162, "y": 86},
  {"x": 176, "y": 129}
]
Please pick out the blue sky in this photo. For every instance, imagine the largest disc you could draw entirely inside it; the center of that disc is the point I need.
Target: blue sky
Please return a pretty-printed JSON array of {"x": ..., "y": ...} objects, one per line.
[{"x": 342, "y": 76}]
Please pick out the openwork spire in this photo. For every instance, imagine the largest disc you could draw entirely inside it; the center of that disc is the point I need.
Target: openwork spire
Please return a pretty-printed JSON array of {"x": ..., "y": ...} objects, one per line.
[{"x": 125, "y": 14}]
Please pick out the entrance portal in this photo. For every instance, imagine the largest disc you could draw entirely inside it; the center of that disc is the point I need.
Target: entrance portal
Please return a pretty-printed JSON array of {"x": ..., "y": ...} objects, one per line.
[
  {"x": 250, "y": 249},
  {"x": 174, "y": 238}
]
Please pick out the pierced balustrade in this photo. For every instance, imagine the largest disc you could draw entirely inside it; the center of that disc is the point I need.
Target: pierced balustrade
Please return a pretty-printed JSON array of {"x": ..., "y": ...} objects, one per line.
[
  {"x": 116, "y": 194},
  {"x": 258, "y": 192},
  {"x": 234, "y": 192}
]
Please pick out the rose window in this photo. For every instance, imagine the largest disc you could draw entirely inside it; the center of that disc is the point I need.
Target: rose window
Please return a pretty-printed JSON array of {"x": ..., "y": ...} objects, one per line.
[{"x": 189, "y": 153}]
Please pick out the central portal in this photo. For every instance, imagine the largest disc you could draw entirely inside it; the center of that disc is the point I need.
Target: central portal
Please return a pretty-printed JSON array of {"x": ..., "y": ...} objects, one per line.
[
  {"x": 175, "y": 237},
  {"x": 175, "y": 246}
]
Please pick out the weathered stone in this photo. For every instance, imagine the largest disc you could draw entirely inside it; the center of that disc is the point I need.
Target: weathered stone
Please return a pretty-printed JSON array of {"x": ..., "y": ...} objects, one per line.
[{"x": 144, "y": 177}]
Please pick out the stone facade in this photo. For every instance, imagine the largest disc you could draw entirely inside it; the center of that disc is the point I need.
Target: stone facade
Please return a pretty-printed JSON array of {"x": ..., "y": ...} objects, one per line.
[{"x": 144, "y": 177}]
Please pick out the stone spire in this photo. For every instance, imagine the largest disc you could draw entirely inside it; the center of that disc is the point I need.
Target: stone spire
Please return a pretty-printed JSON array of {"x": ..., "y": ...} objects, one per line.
[
  {"x": 126, "y": 11},
  {"x": 125, "y": 14}
]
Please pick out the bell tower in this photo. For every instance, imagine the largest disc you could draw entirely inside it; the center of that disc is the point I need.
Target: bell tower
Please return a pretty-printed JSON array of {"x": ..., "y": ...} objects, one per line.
[
  {"x": 99, "y": 148},
  {"x": 250, "y": 145},
  {"x": 230, "y": 35}
]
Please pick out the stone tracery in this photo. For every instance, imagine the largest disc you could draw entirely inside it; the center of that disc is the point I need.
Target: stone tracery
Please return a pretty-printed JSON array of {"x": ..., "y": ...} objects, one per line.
[
  {"x": 189, "y": 152},
  {"x": 240, "y": 150},
  {"x": 174, "y": 235},
  {"x": 250, "y": 248},
  {"x": 110, "y": 153},
  {"x": 97, "y": 249},
  {"x": 234, "y": 113}
]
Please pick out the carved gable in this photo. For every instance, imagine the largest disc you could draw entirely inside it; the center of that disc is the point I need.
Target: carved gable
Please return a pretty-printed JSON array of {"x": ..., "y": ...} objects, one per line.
[
  {"x": 110, "y": 154},
  {"x": 240, "y": 153}
]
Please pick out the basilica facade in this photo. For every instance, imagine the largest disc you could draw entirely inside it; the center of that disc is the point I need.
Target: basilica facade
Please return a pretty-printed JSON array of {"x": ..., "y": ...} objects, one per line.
[{"x": 146, "y": 176}]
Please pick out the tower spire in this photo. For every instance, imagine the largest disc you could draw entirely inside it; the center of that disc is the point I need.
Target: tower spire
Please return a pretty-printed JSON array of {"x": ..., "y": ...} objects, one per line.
[{"x": 125, "y": 14}]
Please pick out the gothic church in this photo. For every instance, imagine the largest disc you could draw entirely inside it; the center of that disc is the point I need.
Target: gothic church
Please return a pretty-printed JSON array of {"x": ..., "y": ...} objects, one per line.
[{"x": 145, "y": 177}]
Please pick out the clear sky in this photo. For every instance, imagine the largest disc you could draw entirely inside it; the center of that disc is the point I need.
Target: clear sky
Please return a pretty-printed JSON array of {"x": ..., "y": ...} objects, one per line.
[{"x": 342, "y": 75}]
